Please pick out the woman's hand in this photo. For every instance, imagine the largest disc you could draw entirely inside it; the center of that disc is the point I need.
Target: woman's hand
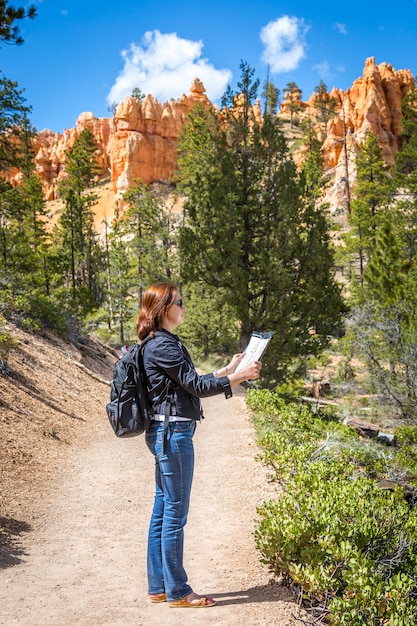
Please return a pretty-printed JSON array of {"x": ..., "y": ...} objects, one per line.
[
  {"x": 236, "y": 359},
  {"x": 250, "y": 372}
]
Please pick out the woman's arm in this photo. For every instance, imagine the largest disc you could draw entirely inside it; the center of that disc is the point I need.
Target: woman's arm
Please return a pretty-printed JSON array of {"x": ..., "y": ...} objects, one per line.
[
  {"x": 167, "y": 357},
  {"x": 250, "y": 372}
]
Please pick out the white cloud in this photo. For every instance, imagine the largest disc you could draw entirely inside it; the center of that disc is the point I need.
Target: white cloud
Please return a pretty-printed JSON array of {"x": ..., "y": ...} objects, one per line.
[
  {"x": 165, "y": 65},
  {"x": 341, "y": 28},
  {"x": 324, "y": 70},
  {"x": 284, "y": 43},
  {"x": 328, "y": 72}
]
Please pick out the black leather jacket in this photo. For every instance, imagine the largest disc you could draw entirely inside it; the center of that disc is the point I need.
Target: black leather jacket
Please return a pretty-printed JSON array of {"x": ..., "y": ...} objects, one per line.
[{"x": 166, "y": 360}]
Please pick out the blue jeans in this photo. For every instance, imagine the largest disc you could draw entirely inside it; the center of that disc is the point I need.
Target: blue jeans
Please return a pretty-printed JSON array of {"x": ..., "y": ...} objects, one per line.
[{"x": 173, "y": 478}]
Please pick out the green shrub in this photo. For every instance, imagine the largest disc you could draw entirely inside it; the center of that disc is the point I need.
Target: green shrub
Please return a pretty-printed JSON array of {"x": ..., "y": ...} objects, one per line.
[
  {"x": 48, "y": 313},
  {"x": 290, "y": 390},
  {"x": 406, "y": 434},
  {"x": 7, "y": 341},
  {"x": 32, "y": 312},
  {"x": 345, "y": 371},
  {"x": 349, "y": 546}
]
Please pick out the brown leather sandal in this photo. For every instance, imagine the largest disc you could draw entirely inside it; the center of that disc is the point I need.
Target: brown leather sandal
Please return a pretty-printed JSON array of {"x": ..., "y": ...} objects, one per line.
[
  {"x": 194, "y": 603},
  {"x": 158, "y": 597}
]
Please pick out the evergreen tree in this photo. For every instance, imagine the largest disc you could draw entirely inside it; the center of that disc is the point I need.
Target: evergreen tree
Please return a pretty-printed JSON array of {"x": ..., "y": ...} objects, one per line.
[
  {"x": 118, "y": 277},
  {"x": 312, "y": 162},
  {"x": 15, "y": 130},
  {"x": 384, "y": 323},
  {"x": 387, "y": 269},
  {"x": 406, "y": 155},
  {"x": 6, "y": 236},
  {"x": 140, "y": 248},
  {"x": 81, "y": 166},
  {"x": 325, "y": 105},
  {"x": 9, "y": 29},
  {"x": 78, "y": 252},
  {"x": 271, "y": 97},
  {"x": 405, "y": 208},
  {"x": 150, "y": 225},
  {"x": 251, "y": 229},
  {"x": 209, "y": 324},
  {"x": 26, "y": 264},
  {"x": 22, "y": 228},
  {"x": 16, "y": 152},
  {"x": 293, "y": 95},
  {"x": 373, "y": 195},
  {"x": 30, "y": 235},
  {"x": 25, "y": 272},
  {"x": 138, "y": 94}
]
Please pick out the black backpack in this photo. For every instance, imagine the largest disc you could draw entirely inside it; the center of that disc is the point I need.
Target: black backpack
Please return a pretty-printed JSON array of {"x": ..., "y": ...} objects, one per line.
[{"x": 130, "y": 410}]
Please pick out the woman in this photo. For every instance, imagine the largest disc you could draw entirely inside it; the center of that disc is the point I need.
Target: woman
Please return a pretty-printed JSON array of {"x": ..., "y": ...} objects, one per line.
[{"x": 175, "y": 390}]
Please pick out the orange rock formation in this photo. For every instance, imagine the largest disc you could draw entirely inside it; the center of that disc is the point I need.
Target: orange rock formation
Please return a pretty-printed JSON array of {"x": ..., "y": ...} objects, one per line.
[
  {"x": 139, "y": 142},
  {"x": 373, "y": 104}
]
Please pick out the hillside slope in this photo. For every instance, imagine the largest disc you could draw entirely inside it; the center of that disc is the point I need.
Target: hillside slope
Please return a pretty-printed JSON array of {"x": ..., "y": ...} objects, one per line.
[{"x": 50, "y": 391}]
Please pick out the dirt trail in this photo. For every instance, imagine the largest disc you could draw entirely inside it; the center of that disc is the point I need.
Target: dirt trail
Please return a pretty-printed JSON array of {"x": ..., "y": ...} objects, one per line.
[{"x": 84, "y": 560}]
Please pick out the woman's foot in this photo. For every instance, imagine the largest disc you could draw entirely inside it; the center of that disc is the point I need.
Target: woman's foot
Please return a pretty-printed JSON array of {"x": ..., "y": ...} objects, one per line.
[
  {"x": 158, "y": 597},
  {"x": 192, "y": 601}
]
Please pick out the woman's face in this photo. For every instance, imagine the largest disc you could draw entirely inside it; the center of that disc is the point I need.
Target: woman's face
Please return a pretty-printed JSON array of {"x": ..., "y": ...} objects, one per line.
[{"x": 175, "y": 314}]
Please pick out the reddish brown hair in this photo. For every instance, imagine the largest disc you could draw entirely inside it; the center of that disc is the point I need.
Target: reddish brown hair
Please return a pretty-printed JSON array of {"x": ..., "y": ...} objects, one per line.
[{"x": 155, "y": 304}]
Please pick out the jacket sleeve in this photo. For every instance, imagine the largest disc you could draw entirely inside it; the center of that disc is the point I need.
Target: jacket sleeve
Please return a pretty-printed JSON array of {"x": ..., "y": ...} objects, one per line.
[{"x": 169, "y": 356}]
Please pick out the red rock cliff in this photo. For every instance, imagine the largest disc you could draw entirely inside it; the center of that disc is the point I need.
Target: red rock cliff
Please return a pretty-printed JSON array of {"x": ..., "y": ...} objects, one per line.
[
  {"x": 373, "y": 103},
  {"x": 139, "y": 142}
]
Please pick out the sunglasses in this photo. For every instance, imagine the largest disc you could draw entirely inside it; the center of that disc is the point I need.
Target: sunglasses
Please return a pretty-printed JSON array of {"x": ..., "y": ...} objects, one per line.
[{"x": 179, "y": 302}]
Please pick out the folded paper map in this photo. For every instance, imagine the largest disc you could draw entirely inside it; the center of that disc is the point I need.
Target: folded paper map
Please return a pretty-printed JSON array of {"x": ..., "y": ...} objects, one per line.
[{"x": 256, "y": 347}]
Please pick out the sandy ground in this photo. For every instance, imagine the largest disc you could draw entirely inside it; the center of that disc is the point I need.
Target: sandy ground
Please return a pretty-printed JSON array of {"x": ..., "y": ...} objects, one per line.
[{"x": 74, "y": 545}]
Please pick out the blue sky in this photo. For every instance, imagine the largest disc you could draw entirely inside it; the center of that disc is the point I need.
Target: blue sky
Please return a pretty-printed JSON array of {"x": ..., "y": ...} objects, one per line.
[{"x": 83, "y": 55}]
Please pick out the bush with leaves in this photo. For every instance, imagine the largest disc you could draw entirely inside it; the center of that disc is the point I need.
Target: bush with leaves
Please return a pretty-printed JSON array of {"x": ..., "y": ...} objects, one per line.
[
  {"x": 7, "y": 341},
  {"x": 349, "y": 547}
]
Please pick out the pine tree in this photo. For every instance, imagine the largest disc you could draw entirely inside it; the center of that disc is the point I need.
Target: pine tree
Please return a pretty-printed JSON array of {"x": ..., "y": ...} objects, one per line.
[
  {"x": 140, "y": 248},
  {"x": 9, "y": 29},
  {"x": 150, "y": 225},
  {"x": 325, "y": 104},
  {"x": 78, "y": 252},
  {"x": 209, "y": 326},
  {"x": 373, "y": 195},
  {"x": 21, "y": 207},
  {"x": 406, "y": 155},
  {"x": 384, "y": 322},
  {"x": 118, "y": 290},
  {"x": 405, "y": 217},
  {"x": 386, "y": 272},
  {"x": 252, "y": 230},
  {"x": 312, "y": 161},
  {"x": 15, "y": 130},
  {"x": 271, "y": 97},
  {"x": 138, "y": 94},
  {"x": 25, "y": 269},
  {"x": 293, "y": 95},
  {"x": 26, "y": 262}
]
